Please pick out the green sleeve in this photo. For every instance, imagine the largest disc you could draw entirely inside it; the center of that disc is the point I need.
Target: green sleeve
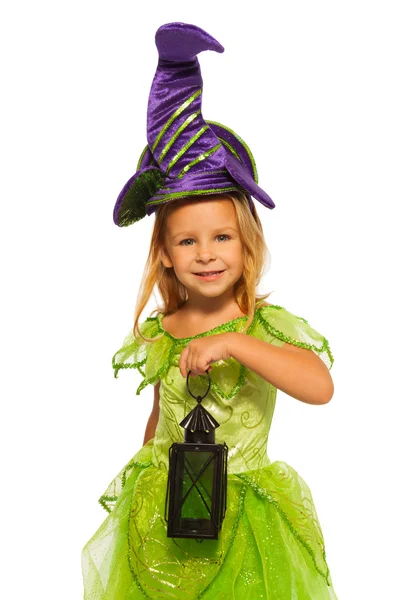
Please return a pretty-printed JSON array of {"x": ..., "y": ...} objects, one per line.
[
  {"x": 146, "y": 357},
  {"x": 279, "y": 326}
]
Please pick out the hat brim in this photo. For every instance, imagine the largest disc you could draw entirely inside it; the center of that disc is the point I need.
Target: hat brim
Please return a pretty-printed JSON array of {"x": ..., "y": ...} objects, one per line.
[
  {"x": 132, "y": 199},
  {"x": 243, "y": 178}
]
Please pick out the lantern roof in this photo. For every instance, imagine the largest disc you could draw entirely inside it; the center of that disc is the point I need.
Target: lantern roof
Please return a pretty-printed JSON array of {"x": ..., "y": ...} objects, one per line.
[{"x": 199, "y": 419}]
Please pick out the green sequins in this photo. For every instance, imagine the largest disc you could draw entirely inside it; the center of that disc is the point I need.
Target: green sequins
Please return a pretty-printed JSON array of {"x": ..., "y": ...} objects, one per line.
[
  {"x": 133, "y": 205},
  {"x": 230, "y": 148},
  {"x": 253, "y": 164},
  {"x": 186, "y": 147},
  {"x": 176, "y": 114},
  {"x": 198, "y": 159},
  {"x": 176, "y": 135}
]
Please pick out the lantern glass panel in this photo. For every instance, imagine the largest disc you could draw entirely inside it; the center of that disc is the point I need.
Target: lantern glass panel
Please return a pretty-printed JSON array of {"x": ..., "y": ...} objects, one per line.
[{"x": 197, "y": 485}]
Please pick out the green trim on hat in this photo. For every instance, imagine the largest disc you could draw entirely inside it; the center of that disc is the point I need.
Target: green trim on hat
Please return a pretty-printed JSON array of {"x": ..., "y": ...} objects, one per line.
[
  {"x": 239, "y": 139},
  {"x": 174, "y": 116},
  {"x": 141, "y": 157},
  {"x": 224, "y": 142},
  {"x": 198, "y": 159},
  {"x": 231, "y": 148},
  {"x": 176, "y": 135},
  {"x": 183, "y": 150}
]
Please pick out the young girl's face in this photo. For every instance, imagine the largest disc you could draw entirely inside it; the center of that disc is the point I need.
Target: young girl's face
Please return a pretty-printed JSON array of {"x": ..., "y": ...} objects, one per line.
[{"x": 204, "y": 236}]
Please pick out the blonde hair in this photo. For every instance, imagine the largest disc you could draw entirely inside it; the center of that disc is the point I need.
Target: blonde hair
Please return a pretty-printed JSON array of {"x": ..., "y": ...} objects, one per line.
[{"x": 174, "y": 293}]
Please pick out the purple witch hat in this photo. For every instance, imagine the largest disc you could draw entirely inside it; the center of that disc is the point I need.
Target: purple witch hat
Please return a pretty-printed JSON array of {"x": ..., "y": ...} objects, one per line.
[{"x": 186, "y": 155}]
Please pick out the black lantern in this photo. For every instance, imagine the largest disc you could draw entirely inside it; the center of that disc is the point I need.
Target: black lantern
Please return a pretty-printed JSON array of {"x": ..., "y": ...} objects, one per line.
[{"x": 197, "y": 477}]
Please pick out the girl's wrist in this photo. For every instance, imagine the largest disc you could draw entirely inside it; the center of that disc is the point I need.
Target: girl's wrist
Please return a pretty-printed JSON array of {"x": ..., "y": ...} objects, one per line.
[{"x": 232, "y": 340}]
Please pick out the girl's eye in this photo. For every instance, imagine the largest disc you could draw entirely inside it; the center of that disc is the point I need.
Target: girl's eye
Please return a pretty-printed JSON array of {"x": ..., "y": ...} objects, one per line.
[{"x": 224, "y": 235}]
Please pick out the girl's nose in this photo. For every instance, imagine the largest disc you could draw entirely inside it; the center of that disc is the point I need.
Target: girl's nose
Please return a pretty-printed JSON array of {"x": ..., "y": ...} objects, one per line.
[{"x": 205, "y": 252}]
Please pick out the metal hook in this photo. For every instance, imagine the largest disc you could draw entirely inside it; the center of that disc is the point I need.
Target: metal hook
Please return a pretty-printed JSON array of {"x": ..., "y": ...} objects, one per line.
[{"x": 198, "y": 398}]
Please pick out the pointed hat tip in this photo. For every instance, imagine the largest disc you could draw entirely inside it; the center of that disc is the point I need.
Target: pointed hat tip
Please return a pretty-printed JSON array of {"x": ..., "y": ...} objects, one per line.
[{"x": 182, "y": 41}]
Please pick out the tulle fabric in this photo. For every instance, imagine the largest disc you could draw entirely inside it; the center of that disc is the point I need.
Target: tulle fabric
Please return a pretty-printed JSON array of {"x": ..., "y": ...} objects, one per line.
[{"x": 271, "y": 544}]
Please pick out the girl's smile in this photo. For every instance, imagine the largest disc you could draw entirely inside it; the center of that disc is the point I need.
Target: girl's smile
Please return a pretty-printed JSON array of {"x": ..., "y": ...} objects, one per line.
[{"x": 211, "y": 277}]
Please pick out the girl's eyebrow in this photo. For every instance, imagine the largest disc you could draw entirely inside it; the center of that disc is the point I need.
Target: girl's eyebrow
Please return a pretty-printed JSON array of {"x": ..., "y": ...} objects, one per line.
[{"x": 214, "y": 231}]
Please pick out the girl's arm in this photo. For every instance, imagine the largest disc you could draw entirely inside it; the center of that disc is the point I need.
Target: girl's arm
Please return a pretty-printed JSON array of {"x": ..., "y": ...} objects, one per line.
[
  {"x": 153, "y": 418},
  {"x": 298, "y": 372}
]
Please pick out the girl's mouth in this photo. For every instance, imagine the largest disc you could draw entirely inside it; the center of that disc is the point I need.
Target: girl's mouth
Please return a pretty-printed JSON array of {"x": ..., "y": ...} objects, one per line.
[{"x": 211, "y": 276}]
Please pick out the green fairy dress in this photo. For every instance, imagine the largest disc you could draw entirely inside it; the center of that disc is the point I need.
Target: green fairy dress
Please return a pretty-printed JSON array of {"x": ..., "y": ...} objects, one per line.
[{"x": 271, "y": 544}]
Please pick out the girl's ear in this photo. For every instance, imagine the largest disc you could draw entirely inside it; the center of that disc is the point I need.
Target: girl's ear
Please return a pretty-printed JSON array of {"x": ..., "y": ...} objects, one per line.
[{"x": 165, "y": 259}]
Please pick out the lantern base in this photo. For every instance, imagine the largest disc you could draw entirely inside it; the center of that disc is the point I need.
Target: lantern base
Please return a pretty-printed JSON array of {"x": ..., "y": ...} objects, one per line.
[{"x": 195, "y": 528}]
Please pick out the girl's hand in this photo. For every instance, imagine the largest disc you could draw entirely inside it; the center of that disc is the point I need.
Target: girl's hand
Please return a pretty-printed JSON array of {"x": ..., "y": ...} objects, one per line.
[{"x": 201, "y": 352}]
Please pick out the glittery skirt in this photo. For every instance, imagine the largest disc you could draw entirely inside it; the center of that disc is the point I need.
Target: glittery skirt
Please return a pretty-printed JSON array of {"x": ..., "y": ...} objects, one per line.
[{"x": 270, "y": 546}]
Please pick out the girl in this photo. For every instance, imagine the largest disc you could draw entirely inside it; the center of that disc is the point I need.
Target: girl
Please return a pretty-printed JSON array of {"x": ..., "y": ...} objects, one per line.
[{"x": 207, "y": 255}]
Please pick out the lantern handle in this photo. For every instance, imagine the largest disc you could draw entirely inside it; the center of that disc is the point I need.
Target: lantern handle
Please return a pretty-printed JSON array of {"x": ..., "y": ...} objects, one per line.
[{"x": 198, "y": 398}]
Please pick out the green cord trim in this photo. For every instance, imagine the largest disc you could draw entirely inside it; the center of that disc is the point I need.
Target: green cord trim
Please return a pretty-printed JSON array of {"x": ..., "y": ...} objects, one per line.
[
  {"x": 286, "y": 338},
  {"x": 176, "y": 135},
  {"x": 103, "y": 499},
  {"x": 186, "y": 147},
  {"x": 174, "y": 116},
  {"x": 264, "y": 494},
  {"x": 231, "y": 148},
  {"x": 118, "y": 366},
  {"x": 198, "y": 159},
  {"x": 253, "y": 164},
  {"x": 152, "y": 160},
  {"x": 141, "y": 158}
]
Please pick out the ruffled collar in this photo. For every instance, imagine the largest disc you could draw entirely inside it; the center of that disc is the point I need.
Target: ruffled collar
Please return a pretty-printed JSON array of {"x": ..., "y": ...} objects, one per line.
[{"x": 233, "y": 325}]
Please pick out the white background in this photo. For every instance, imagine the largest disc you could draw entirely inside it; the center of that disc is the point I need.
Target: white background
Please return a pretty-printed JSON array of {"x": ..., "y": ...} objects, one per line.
[{"x": 312, "y": 87}]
